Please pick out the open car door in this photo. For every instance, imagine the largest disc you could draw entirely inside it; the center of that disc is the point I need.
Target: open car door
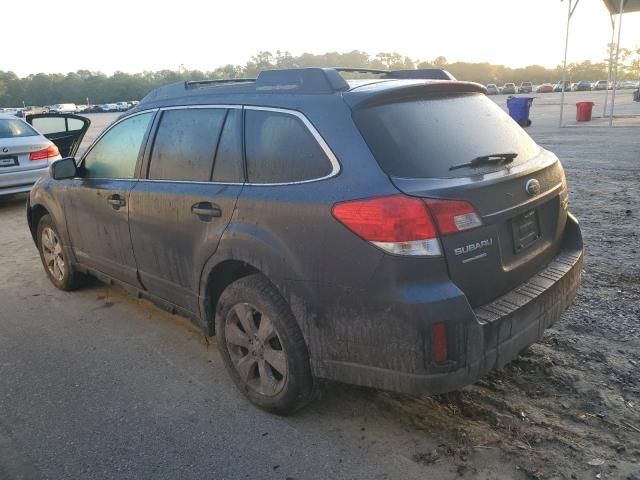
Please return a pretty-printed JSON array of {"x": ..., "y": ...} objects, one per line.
[{"x": 65, "y": 130}]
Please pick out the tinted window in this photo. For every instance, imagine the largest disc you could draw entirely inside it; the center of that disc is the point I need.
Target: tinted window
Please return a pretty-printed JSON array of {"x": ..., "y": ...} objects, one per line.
[
  {"x": 116, "y": 153},
  {"x": 10, "y": 128},
  {"x": 228, "y": 164},
  {"x": 53, "y": 124},
  {"x": 280, "y": 148},
  {"x": 185, "y": 144},
  {"x": 424, "y": 138}
]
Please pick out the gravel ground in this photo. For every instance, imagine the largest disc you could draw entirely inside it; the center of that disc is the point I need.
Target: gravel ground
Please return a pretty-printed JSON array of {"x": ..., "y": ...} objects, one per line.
[{"x": 96, "y": 384}]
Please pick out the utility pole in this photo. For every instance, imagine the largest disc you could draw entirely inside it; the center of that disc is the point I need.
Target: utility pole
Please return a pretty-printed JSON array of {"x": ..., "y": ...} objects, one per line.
[
  {"x": 572, "y": 8},
  {"x": 606, "y": 95},
  {"x": 615, "y": 72}
]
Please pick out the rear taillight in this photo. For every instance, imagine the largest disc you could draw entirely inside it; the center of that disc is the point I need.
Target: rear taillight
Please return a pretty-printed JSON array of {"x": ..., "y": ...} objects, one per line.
[
  {"x": 453, "y": 216},
  {"x": 49, "y": 152},
  {"x": 397, "y": 224},
  {"x": 405, "y": 225}
]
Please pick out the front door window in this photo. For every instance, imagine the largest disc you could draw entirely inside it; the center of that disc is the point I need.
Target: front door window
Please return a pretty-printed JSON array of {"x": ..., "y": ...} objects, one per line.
[{"x": 115, "y": 155}]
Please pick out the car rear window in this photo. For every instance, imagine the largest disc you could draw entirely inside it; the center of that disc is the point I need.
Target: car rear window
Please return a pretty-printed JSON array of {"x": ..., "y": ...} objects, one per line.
[
  {"x": 10, "y": 128},
  {"x": 424, "y": 138}
]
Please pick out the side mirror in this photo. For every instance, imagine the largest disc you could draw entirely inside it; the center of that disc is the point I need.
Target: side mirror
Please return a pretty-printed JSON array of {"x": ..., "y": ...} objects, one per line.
[{"x": 63, "y": 168}]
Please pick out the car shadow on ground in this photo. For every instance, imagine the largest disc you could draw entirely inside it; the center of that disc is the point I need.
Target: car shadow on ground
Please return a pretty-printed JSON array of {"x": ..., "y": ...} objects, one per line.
[{"x": 13, "y": 200}]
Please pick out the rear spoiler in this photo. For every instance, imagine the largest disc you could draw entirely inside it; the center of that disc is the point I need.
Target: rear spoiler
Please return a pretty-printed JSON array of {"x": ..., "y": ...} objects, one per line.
[{"x": 389, "y": 92}]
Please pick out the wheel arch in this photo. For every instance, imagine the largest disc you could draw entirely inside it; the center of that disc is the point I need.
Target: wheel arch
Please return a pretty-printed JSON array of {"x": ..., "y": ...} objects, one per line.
[
  {"x": 243, "y": 250},
  {"x": 217, "y": 279},
  {"x": 34, "y": 214}
]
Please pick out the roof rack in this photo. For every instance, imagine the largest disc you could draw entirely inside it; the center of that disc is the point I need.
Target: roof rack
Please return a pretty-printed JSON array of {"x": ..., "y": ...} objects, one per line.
[
  {"x": 419, "y": 74},
  {"x": 361, "y": 70},
  {"x": 222, "y": 81},
  {"x": 312, "y": 80}
]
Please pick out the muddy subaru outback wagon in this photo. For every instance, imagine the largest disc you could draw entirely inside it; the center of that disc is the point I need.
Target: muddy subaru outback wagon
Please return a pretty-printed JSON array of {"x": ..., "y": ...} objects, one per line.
[{"x": 398, "y": 232}]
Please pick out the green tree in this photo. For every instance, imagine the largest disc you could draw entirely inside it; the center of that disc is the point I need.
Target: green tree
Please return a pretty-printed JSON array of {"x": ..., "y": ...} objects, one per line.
[{"x": 46, "y": 89}]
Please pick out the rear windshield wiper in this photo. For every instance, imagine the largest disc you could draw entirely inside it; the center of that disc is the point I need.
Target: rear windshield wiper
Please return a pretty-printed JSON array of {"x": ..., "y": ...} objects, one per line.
[{"x": 496, "y": 158}]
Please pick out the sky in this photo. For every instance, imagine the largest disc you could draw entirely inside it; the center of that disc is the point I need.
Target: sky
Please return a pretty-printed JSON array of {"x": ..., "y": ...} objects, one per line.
[{"x": 136, "y": 35}]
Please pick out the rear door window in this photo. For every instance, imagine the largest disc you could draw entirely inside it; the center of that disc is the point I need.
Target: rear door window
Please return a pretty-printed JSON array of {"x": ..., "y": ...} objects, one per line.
[
  {"x": 281, "y": 149},
  {"x": 185, "y": 144},
  {"x": 424, "y": 138}
]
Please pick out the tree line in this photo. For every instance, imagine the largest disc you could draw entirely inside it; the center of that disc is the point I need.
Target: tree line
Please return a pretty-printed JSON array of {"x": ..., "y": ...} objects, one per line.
[{"x": 77, "y": 87}]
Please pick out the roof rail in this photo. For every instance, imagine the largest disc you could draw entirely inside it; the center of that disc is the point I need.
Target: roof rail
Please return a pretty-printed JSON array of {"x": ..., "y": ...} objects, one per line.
[
  {"x": 312, "y": 80},
  {"x": 361, "y": 70},
  {"x": 222, "y": 81},
  {"x": 302, "y": 80},
  {"x": 418, "y": 74}
]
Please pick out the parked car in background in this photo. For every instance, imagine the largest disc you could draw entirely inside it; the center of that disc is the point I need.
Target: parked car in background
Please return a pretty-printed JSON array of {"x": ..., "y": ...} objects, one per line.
[
  {"x": 63, "y": 108},
  {"x": 82, "y": 108},
  {"x": 601, "y": 85},
  {"x": 625, "y": 84},
  {"x": 508, "y": 88},
  {"x": 133, "y": 103},
  {"x": 583, "y": 85},
  {"x": 558, "y": 86},
  {"x": 25, "y": 154},
  {"x": 525, "y": 87},
  {"x": 31, "y": 110},
  {"x": 108, "y": 107},
  {"x": 421, "y": 258},
  {"x": 544, "y": 88},
  {"x": 10, "y": 110},
  {"x": 492, "y": 89},
  {"x": 122, "y": 106}
]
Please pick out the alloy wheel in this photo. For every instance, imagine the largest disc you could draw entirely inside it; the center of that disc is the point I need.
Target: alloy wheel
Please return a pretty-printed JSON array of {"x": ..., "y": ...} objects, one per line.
[
  {"x": 52, "y": 252},
  {"x": 255, "y": 349}
]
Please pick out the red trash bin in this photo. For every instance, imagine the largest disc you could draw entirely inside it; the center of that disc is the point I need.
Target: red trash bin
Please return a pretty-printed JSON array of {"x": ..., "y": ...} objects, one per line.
[{"x": 583, "y": 111}]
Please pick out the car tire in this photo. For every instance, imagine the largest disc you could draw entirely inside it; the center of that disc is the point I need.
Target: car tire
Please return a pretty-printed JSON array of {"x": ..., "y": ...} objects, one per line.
[
  {"x": 262, "y": 346},
  {"x": 58, "y": 268}
]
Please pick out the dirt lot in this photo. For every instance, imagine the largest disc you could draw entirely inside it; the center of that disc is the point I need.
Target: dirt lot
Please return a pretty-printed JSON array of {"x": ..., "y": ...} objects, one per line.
[{"x": 97, "y": 384}]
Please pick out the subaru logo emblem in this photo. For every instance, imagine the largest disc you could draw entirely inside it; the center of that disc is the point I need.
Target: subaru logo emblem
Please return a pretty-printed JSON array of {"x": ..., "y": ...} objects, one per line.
[
  {"x": 532, "y": 187},
  {"x": 5, "y": 149}
]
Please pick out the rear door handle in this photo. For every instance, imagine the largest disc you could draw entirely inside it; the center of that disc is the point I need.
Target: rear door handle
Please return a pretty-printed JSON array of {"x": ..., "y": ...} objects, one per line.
[
  {"x": 116, "y": 201},
  {"x": 206, "y": 209}
]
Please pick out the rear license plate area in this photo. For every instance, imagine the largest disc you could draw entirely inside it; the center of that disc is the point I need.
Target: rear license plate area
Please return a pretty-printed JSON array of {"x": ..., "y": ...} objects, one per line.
[
  {"x": 8, "y": 161},
  {"x": 526, "y": 230}
]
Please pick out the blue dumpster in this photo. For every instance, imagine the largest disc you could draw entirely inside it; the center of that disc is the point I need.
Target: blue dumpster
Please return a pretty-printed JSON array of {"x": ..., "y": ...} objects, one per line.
[{"x": 519, "y": 109}]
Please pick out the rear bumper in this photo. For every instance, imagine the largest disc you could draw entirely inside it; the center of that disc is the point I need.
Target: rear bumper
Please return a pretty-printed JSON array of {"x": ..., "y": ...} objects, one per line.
[
  {"x": 486, "y": 337},
  {"x": 19, "y": 182}
]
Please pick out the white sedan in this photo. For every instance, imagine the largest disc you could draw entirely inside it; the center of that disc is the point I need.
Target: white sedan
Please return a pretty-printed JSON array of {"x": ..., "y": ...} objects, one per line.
[{"x": 25, "y": 155}]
